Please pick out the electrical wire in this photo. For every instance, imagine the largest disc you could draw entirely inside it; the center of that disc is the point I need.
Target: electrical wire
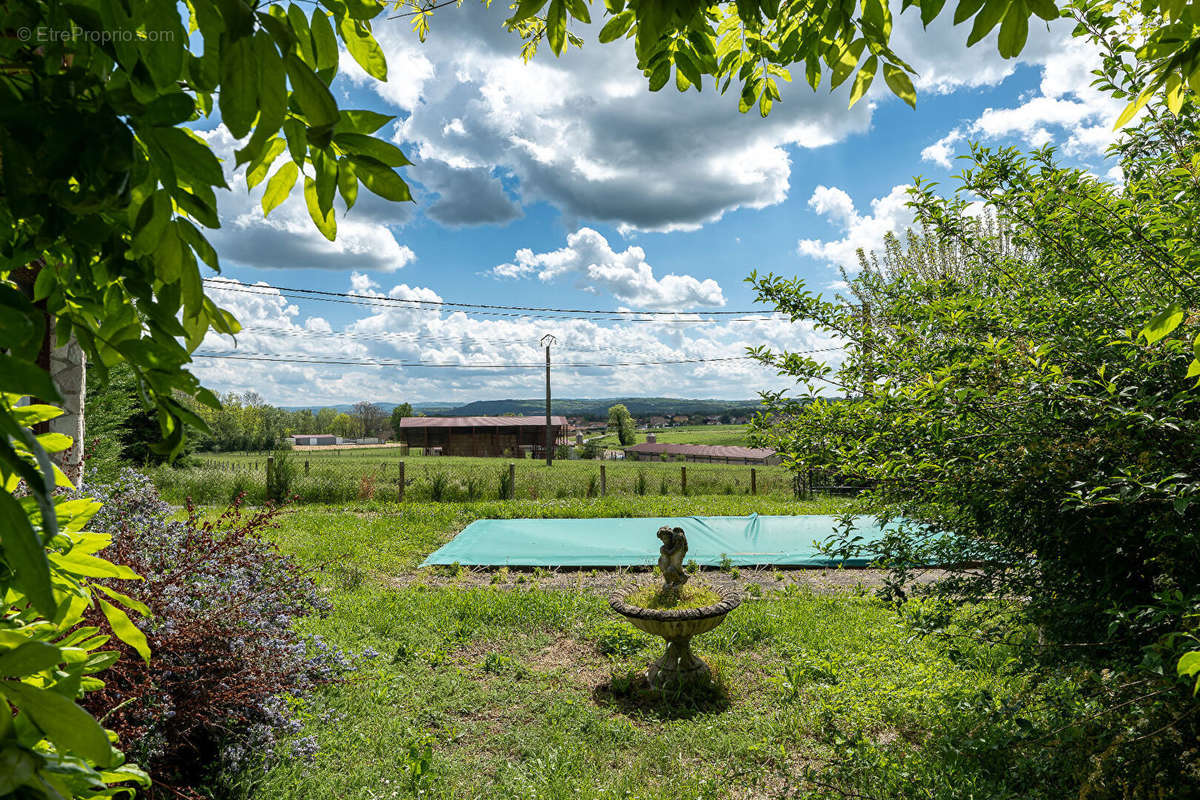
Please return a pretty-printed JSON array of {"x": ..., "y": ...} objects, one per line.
[
  {"x": 273, "y": 357},
  {"x": 217, "y": 282}
]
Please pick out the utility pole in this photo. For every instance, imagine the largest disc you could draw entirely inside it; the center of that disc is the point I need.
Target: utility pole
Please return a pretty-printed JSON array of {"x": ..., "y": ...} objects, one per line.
[{"x": 548, "y": 340}]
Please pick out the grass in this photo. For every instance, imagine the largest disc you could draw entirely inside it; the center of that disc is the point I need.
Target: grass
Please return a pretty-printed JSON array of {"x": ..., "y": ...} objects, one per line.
[
  {"x": 687, "y": 596},
  {"x": 733, "y": 435},
  {"x": 330, "y": 477},
  {"x": 520, "y": 692},
  {"x": 398, "y": 536}
]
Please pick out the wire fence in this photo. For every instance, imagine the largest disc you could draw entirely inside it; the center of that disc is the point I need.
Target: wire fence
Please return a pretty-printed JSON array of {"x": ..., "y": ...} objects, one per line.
[{"x": 378, "y": 475}]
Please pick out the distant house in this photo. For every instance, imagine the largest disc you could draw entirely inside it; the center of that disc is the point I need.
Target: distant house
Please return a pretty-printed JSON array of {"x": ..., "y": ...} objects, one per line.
[
  {"x": 480, "y": 436},
  {"x": 680, "y": 419},
  {"x": 658, "y": 422},
  {"x": 716, "y": 454},
  {"x": 315, "y": 439},
  {"x": 712, "y": 420}
]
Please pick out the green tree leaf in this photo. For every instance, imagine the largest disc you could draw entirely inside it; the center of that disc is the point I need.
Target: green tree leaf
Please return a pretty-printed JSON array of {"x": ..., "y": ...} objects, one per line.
[
  {"x": 1163, "y": 323},
  {"x": 125, "y": 630},
  {"x": 28, "y": 658},
  {"x": 381, "y": 180},
  {"x": 556, "y": 26},
  {"x": 347, "y": 182},
  {"x": 280, "y": 186},
  {"x": 361, "y": 145},
  {"x": 364, "y": 49},
  {"x": 312, "y": 94},
  {"x": 23, "y": 378},
  {"x": 325, "y": 48},
  {"x": 69, "y": 727},
  {"x": 900, "y": 84},
  {"x": 326, "y": 222},
  {"x": 357, "y": 120},
  {"x": 238, "y": 99},
  {"x": 617, "y": 27},
  {"x": 862, "y": 81},
  {"x": 1014, "y": 30}
]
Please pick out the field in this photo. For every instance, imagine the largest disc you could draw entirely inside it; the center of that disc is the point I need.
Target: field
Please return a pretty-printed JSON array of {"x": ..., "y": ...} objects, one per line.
[
  {"x": 525, "y": 685},
  {"x": 346, "y": 475},
  {"x": 733, "y": 435}
]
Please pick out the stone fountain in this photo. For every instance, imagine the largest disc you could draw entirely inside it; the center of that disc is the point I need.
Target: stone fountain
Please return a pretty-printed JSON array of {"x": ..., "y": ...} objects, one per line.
[{"x": 678, "y": 665}]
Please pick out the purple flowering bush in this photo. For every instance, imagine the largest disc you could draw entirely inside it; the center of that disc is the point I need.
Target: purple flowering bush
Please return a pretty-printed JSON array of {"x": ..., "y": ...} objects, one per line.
[{"x": 227, "y": 660}]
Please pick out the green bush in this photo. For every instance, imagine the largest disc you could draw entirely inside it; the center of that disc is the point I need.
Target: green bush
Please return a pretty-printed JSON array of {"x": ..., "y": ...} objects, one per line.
[{"x": 1022, "y": 391}]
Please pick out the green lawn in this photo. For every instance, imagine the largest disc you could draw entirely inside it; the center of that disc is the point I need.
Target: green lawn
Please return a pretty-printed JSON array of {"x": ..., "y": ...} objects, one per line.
[
  {"x": 526, "y": 692},
  {"x": 333, "y": 477},
  {"x": 734, "y": 435}
]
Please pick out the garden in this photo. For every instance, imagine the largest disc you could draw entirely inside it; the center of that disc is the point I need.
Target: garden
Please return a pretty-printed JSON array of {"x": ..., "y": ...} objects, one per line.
[{"x": 1017, "y": 392}]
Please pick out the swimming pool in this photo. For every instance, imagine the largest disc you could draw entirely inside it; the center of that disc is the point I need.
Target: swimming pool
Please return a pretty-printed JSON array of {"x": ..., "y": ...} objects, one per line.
[{"x": 624, "y": 542}]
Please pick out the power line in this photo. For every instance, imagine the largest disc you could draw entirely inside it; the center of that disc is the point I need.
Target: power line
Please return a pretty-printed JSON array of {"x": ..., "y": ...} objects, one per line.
[
  {"x": 390, "y": 363},
  {"x": 391, "y": 303},
  {"x": 302, "y": 359},
  {"x": 447, "y": 303},
  {"x": 415, "y": 337}
]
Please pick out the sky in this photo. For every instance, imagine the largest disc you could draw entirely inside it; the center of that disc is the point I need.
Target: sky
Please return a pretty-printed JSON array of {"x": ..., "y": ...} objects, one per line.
[{"x": 566, "y": 183}]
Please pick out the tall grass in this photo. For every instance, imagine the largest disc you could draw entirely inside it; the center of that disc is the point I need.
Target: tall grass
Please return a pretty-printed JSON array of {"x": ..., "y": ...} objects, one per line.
[{"x": 324, "y": 478}]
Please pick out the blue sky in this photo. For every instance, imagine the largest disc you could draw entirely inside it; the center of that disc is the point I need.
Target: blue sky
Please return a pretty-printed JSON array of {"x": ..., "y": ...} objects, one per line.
[{"x": 565, "y": 183}]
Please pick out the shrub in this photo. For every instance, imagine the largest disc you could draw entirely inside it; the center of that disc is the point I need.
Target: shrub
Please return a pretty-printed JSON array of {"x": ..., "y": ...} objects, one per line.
[
  {"x": 1021, "y": 388},
  {"x": 281, "y": 472},
  {"x": 366, "y": 487},
  {"x": 506, "y": 484},
  {"x": 438, "y": 484},
  {"x": 226, "y": 657}
]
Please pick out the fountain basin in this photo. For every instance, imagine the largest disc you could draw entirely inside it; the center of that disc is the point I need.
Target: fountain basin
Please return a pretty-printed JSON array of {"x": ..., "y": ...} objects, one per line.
[{"x": 678, "y": 665}]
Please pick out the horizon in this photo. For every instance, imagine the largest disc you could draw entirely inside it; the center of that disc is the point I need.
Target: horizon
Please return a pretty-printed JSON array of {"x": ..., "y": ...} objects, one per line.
[{"x": 565, "y": 185}]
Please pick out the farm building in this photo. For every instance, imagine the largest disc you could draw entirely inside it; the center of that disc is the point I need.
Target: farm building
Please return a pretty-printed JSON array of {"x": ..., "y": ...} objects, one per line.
[
  {"x": 308, "y": 439},
  {"x": 717, "y": 454},
  {"x": 480, "y": 436}
]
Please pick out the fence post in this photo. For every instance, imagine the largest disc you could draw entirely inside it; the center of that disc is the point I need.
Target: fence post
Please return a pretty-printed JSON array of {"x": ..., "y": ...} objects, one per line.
[
  {"x": 683, "y": 480},
  {"x": 306, "y": 466},
  {"x": 400, "y": 490},
  {"x": 753, "y": 481},
  {"x": 603, "y": 482},
  {"x": 270, "y": 468},
  {"x": 512, "y": 480}
]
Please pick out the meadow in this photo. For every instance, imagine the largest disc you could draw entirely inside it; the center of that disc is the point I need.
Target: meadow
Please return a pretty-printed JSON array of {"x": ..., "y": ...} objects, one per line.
[
  {"x": 528, "y": 687},
  {"x": 728, "y": 435},
  {"x": 374, "y": 474}
]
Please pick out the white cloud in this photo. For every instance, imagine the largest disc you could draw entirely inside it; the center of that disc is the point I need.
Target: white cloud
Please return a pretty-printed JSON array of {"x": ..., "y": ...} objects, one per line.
[
  {"x": 889, "y": 214},
  {"x": 583, "y": 132},
  {"x": 941, "y": 151},
  {"x": 626, "y": 275},
  {"x": 362, "y": 283},
  {"x": 288, "y": 239},
  {"x": 1066, "y": 110},
  {"x": 438, "y": 336}
]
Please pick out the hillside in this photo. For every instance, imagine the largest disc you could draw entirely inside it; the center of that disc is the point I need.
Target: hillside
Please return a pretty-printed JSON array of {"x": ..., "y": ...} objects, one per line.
[{"x": 596, "y": 408}]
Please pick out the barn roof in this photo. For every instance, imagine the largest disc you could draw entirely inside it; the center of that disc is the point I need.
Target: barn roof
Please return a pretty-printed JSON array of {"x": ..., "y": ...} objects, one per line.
[
  {"x": 480, "y": 422},
  {"x": 701, "y": 450}
]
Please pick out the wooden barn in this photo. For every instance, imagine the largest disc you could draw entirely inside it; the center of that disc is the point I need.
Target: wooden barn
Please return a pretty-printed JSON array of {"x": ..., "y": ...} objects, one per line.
[{"x": 480, "y": 436}]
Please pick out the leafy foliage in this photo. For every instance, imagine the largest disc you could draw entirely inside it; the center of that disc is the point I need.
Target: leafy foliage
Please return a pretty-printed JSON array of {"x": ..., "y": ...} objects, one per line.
[
  {"x": 217, "y": 694},
  {"x": 1004, "y": 390},
  {"x": 49, "y": 656},
  {"x": 758, "y": 42},
  {"x": 620, "y": 422},
  {"x": 105, "y": 192},
  {"x": 398, "y": 413}
]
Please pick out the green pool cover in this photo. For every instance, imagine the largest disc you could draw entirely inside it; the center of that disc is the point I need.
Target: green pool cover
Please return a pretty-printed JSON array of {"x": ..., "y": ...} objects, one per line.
[{"x": 786, "y": 541}]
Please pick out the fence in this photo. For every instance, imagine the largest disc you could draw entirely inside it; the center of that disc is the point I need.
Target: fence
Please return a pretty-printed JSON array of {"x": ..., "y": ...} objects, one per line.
[{"x": 320, "y": 478}]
